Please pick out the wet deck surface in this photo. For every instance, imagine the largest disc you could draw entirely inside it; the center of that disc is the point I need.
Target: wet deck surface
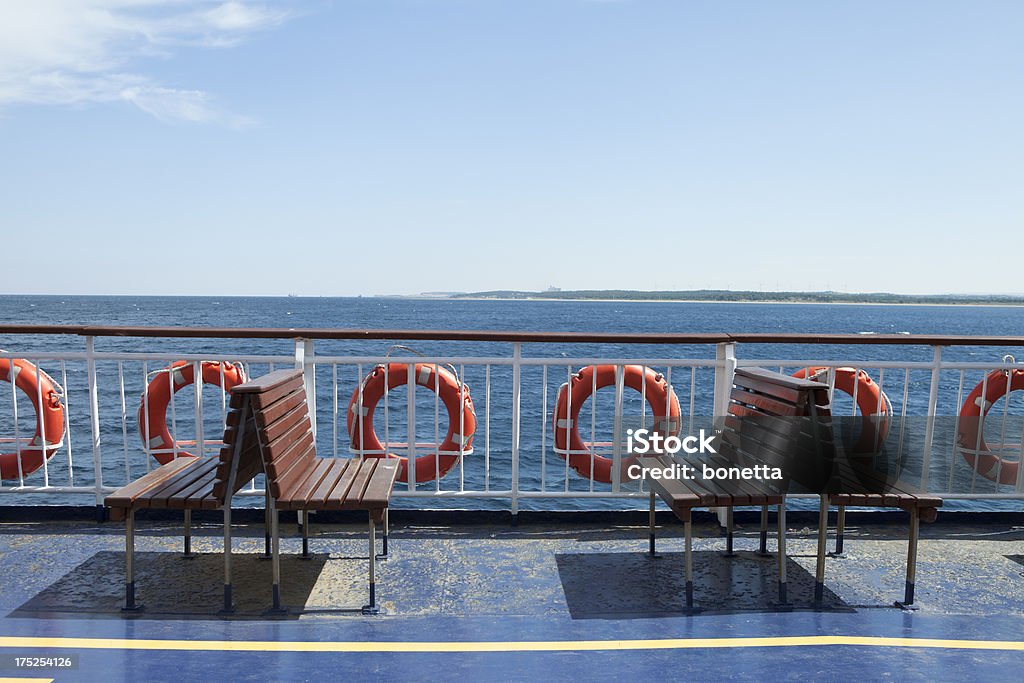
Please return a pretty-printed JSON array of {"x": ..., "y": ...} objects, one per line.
[{"x": 514, "y": 603}]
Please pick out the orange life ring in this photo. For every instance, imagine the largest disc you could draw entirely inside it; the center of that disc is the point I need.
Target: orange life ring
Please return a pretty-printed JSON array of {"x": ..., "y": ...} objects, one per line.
[
  {"x": 155, "y": 433},
  {"x": 972, "y": 444},
  {"x": 875, "y": 408},
  {"x": 49, "y": 418},
  {"x": 565, "y": 421},
  {"x": 456, "y": 399}
]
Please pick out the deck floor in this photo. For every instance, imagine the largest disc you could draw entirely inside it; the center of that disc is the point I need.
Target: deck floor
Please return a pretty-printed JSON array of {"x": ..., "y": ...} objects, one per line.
[{"x": 532, "y": 602}]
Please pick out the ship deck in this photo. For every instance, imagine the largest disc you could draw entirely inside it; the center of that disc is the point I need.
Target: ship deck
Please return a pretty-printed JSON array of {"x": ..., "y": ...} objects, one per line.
[{"x": 547, "y": 598}]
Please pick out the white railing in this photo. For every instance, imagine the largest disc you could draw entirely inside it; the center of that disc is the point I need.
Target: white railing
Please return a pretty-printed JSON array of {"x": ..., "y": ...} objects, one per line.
[{"x": 513, "y": 455}]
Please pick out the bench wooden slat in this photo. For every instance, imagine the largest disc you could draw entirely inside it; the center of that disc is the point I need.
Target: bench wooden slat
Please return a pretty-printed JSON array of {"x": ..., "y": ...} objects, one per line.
[
  {"x": 378, "y": 491},
  {"x": 669, "y": 489},
  {"x": 766, "y": 404},
  {"x": 268, "y": 382},
  {"x": 126, "y": 495},
  {"x": 354, "y": 496},
  {"x": 775, "y": 379},
  {"x": 715, "y": 493},
  {"x": 273, "y": 429},
  {"x": 303, "y": 464},
  {"x": 264, "y": 400},
  {"x": 789, "y": 394},
  {"x": 279, "y": 410},
  {"x": 680, "y": 491},
  {"x": 193, "y": 495},
  {"x": 284, "y": 451},
  {"x": 279, "y": 436},
  {"x": 338, "y": 478},
  {"x": 296, "y": 496},
  {"x": 158, "y": 497},
  {"x": 755, "y": 494}
]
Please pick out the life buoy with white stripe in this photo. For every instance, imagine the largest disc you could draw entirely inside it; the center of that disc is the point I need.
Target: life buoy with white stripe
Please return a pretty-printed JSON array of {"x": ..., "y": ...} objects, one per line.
[
  {"x": 458, "y": 439},
  {"x": 153, "y": 428},
  {"x": 875, "y": 408},
  {"x": 565, "y": 421},
  {"x": 971, "y": 424},
  {"x": 45, "y": 395}
]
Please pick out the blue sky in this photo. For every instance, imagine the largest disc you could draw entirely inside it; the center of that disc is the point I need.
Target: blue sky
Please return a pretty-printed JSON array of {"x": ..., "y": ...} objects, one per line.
[{"x": 401, "y": 146}]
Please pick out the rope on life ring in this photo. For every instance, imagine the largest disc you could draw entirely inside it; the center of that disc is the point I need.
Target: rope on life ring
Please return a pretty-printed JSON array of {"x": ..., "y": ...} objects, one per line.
[
  {"x": 875, "y": 407},
  {"x": 153, "y": 428},
  {"x": 458, "y": 439},
  {"x": 565, "y": 420},
  {"x": 45, "y": 395},
  {"x": 970, "y": 439}
]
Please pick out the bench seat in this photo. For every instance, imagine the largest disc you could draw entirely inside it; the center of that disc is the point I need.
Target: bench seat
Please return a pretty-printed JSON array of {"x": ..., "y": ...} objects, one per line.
[
  {"x": 341, "y": 484},
  {"x": 156, "y": 488},
  {"x": 868, "y": 489}
]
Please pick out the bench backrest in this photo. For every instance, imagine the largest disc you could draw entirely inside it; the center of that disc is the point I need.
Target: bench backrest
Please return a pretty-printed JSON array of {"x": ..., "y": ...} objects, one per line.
[
  {"x": 780, "y": 421},
  {"x": 281, "y": 429},
  {"x": 271, "y": 415}
]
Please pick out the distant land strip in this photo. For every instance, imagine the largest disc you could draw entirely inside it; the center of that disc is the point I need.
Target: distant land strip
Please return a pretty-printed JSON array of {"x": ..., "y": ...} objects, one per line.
[{"x": 748, "y": 296}]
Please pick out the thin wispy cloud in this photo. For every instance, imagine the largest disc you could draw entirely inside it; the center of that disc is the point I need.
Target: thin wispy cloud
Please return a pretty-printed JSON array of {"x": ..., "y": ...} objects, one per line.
[{"x": 73, "y": 52}]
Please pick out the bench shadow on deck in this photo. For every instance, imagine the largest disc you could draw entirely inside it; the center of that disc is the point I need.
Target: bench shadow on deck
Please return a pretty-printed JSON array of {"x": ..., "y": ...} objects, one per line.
[
  {"x": 622, "y": 585},
  {"x": 176, "y": 587}
]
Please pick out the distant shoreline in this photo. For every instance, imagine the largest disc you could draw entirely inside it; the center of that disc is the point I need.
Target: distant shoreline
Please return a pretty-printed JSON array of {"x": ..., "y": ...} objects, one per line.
[
  {"x": 744, "y": 297},
  {"x": 992, "y": 304}
]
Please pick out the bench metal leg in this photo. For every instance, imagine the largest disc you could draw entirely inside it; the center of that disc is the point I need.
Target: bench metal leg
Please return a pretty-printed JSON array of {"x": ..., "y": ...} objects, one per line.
[
  {"x": 371, "y": 608},
  {"x": 729, "y": 527},
  {"x": 783, "y": 599},
  {"x": 819, "y": 572},
  {"x": 650, "y": 520},
  {"x": 908, "y": 595},
  {"x": 229, "y": 606},
  {"x": 266, "y": 524},
  {"x": 304, "y": 521},
  {"x": 763, "y": 550},
  {"x": 188, "y": 535},
  {"x": 275, "y": 562},
  {"x": 840, "y": 529},
  {"x": 384, "y": 538},
  {"x": 129, "y": 563},
  {"x": 688, "y": 553}
]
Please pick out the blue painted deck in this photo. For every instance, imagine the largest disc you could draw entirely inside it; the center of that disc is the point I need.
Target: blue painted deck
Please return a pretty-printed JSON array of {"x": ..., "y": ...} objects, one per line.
[{"x": 544, "y": 593}]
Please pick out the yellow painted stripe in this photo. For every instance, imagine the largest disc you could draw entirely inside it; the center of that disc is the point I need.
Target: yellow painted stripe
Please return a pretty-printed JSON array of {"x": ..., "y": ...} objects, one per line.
[
  {"x": 498, "y": 646},
  {"x": 25, "y": 680}
]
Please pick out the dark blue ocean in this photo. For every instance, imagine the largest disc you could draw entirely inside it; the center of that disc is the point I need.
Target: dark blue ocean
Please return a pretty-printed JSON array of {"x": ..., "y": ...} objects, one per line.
[{"x": 441, "y": 314}]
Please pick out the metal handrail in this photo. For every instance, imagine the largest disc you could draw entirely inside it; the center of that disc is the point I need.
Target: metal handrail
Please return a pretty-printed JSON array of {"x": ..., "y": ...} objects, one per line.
[{"x": 516, "y": 336}]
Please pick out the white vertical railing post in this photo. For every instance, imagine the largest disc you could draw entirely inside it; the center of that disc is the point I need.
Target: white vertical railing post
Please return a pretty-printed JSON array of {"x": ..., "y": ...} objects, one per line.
[
  {"x": 305, "y": 361},
  {"x": 929, "y": 425},
  {"x": 410, "y": 430},
  {"x": 616, "y": 430},
  {"x": 725, "y": 368},
  {"x": 517, "y": 357},
  {"x": 197, "y": 400},
  {"x": 94, "y": 420}
]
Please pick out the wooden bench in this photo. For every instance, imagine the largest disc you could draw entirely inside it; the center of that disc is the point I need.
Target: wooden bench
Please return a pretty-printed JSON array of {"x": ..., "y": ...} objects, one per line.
[
  {"x": 298, "y": 480},
  {"x": 773, "y": 420},
  {"x": 268, "y": 431},
  {"x": 191, "y": 483}
]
